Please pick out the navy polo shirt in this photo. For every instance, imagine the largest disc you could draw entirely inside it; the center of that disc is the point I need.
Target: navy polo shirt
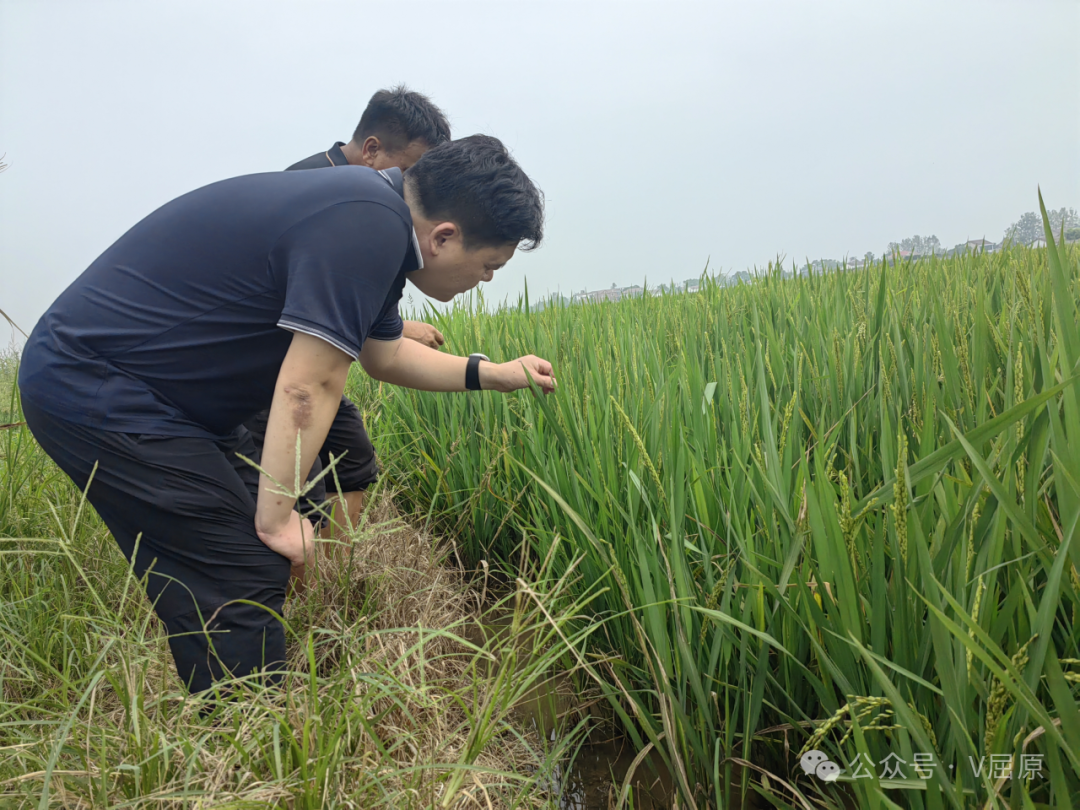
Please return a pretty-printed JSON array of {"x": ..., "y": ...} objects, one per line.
[
  {"x": 321, "y": 160},
  {"x": 181, "y": 326}
]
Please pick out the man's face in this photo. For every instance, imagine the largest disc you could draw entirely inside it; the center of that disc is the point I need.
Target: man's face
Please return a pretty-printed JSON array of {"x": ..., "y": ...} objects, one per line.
[
  {"x": 450, "y": 268},
  {"x": 403, "y": 159}
]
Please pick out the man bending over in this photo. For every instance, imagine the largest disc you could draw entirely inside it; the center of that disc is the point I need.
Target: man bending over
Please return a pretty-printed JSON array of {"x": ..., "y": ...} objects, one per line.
[
  {"x": 396, "y": 128},
  {"x": 255, "y": 291}
]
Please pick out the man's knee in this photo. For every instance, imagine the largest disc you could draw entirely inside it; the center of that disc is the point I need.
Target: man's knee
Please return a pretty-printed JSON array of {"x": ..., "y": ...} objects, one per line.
[{"x": 233, "y": 640}]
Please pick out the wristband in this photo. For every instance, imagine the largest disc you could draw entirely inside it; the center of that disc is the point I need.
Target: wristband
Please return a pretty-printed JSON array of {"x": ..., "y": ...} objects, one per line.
[{"x": 472, "y": 372}]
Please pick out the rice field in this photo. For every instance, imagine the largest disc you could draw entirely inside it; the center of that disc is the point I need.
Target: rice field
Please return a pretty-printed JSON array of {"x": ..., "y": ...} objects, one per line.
[
  {"x": 837, "y": 513},
  {"x": 779, "y": 529}
]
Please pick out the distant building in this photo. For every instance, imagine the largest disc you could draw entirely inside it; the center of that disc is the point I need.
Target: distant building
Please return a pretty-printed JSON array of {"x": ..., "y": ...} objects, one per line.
[
  {"x": 613, "y": 293},
  {"x": 984, "y": 245},
  {"x": 553, "y": 300},
  {"x": 691, "y": 285},
  {"x": 820, "y": 265}
]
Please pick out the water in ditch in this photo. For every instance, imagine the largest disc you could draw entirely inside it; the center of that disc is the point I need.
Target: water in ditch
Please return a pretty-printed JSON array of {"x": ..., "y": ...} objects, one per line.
[{"x": 596, "y": 777}]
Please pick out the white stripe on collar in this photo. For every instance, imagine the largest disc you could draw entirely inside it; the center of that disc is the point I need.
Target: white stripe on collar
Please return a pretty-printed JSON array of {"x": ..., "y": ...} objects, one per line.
[
  {"x": 415, "y": 240},
  {"x": 416, "y": 249}
]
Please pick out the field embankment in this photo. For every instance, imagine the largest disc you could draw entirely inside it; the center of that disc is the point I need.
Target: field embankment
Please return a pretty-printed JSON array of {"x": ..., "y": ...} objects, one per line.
[{"x": 388, "y": 704}]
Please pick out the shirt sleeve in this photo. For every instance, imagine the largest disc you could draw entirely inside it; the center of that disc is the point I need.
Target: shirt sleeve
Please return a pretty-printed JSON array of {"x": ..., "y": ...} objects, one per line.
[
  {"x": 389, "y": 325},
  {"x": 340, "y": 267}
]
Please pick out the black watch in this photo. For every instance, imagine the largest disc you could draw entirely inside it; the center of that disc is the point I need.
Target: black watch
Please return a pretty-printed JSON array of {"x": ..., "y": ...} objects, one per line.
[{"x": 472, "y": 371}]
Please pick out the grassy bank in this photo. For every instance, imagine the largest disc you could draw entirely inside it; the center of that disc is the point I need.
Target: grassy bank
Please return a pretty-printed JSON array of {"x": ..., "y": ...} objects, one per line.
[
  {"x": 834, "y": 513},
  {"x": 394, "y": 699}
]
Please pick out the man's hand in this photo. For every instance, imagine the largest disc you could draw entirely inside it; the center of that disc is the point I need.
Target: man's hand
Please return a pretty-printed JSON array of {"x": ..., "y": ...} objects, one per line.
[
  {"x": 295, "y": 540},
  {"x": 507, "y": 377},
  {"x": 423, "y": 333}
]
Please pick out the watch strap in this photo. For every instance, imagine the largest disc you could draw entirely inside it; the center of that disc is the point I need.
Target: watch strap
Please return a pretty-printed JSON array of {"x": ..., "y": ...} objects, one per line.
[{"x": 472, "y": 372}]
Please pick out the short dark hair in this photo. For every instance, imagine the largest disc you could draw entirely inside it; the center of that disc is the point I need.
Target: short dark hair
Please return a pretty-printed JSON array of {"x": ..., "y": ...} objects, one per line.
[
  {"x": 474, "y": 183},
  {"x": 399, "y": 116}
]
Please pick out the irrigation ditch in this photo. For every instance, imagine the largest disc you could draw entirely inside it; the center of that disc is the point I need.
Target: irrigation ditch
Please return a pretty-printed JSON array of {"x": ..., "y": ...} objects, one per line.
[{"x": 597, "y": 771}]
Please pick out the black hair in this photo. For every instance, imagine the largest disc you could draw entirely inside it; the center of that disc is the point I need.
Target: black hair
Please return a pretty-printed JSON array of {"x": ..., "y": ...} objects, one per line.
[
  {"x": 474, "y": 183},
  {"x": 399, "y": 116}
]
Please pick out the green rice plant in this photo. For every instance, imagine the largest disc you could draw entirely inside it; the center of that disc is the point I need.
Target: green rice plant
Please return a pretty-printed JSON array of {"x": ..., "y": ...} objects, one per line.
[{"x": 798, "y": 497}]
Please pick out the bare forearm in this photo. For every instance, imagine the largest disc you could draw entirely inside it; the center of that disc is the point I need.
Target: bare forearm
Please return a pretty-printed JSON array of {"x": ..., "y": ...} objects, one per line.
[
  {"x": 416, "y": 366},
  {"x": 408, "y": 364},
  {"x": 304, "y": 410},
  {"x": 306, "y": 397}
]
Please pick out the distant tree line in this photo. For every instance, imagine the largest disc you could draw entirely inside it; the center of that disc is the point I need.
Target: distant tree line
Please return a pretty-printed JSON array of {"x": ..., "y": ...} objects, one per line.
[
  {"x": 1025, "y": 231},
  {"x": 915, "y": 245},
  {"x": 1029, "y": 227}
]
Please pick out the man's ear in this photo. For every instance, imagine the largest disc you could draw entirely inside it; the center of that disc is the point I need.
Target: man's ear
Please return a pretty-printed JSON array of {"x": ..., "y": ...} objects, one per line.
[
  {"x": 442, "y": 235},
  {"x": 369, "y": 150}
]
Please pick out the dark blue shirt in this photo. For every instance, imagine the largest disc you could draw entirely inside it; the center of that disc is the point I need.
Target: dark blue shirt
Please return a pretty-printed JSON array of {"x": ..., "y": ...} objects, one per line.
[
  {"x": 180, "y": 327},
  {"x": 320, "y": 160}
]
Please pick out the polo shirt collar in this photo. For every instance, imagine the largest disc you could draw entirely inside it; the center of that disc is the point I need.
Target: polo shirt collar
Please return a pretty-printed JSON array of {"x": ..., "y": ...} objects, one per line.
[
  {"x": 394, "y": 177},
  {"x": 337, "y": 157}
]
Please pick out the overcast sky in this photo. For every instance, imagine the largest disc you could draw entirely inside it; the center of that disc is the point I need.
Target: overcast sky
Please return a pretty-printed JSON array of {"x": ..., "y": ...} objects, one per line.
[{"x": 664, "y": 134}]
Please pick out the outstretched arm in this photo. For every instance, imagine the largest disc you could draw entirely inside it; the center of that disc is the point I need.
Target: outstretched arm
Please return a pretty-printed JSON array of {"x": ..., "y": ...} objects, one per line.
[{"x": 411, "y": 365}]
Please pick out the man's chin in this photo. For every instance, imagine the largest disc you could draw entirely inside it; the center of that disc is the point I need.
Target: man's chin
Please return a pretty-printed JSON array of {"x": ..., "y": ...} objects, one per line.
[{"x": 439, "y": 295}]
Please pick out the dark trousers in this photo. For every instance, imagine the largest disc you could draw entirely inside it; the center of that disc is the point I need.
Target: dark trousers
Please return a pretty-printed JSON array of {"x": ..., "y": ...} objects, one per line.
[
  {"x": 193, "y": 502},
  {"x": 356, "y": 471}
]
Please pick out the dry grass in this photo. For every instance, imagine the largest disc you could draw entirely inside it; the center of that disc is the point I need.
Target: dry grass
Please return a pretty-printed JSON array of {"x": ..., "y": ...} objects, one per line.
[
  {"x": 393, "y": 699},
  {"x": 420, "y": 620}
]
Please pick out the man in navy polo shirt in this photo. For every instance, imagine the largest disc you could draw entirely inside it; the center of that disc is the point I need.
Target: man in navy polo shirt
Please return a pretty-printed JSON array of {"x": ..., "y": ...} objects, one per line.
[
  {"x": 396, "y": 128},
  {"x": 257, "y": 290}
]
